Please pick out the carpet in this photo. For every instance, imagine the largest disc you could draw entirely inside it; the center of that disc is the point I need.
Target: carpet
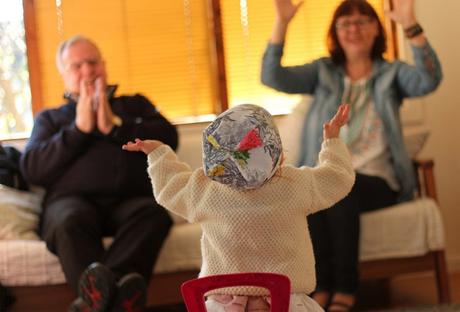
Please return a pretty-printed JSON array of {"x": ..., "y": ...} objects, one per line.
[
  {"x": 431, "y": 308},
  {"x": 170, "y": 308}
]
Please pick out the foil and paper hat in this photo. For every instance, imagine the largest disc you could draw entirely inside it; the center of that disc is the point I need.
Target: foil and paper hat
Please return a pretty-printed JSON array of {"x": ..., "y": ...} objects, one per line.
[{"x": 242, "y": 147}]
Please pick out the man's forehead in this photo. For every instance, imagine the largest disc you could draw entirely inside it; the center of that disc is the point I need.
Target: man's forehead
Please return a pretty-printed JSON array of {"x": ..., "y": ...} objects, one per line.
[{"x": 81, "y": 49}]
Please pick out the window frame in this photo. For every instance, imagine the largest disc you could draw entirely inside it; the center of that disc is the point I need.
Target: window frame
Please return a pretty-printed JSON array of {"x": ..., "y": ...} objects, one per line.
[{"x": 32, "y": 55}]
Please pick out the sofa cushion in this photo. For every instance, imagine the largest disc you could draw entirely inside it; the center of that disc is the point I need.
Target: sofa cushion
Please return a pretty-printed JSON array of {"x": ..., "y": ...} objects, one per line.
[
  {"x": 409, "y": 229},
  {"x": 18, "y": 213},
  {"x": 29, "y": 263}
]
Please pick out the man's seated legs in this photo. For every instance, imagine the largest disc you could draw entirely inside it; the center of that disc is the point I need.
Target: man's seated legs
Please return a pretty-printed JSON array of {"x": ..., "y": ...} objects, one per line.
[
  {"x": 72, "y": 229},
  {"x": 139, "y": 227}
]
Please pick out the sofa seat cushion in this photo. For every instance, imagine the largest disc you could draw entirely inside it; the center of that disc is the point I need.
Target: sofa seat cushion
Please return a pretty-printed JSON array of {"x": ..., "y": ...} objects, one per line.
[{"x": 29, "y": 263}]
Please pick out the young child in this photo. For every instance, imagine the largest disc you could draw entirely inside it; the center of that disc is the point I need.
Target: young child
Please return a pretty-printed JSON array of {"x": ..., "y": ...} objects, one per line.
[{"x": 251, "y": 208}]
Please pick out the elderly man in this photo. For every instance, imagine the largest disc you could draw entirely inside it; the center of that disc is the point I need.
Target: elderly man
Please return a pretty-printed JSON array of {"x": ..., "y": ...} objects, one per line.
[{"x": 94, "y": 188}]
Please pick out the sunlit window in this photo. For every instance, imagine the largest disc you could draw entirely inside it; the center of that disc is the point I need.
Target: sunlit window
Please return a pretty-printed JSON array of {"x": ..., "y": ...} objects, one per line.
[{"x": 15, "y": 99}]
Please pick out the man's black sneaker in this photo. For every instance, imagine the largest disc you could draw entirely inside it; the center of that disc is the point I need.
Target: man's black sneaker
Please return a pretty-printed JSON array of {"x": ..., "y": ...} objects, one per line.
[
  {"x": 97, "y": 287},
  {"x": 131, "y": 294}
]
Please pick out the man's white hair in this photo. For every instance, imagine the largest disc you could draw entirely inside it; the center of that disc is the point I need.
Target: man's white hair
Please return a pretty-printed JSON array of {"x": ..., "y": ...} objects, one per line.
[{"x": 67, "y": 44}]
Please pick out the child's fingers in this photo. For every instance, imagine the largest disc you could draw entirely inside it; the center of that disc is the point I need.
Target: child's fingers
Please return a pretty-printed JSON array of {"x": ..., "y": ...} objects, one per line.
[
  {"x": 139, "y": 143},
  {"x": 129, "y": 143},
  {"x": 131, "y": 146}
]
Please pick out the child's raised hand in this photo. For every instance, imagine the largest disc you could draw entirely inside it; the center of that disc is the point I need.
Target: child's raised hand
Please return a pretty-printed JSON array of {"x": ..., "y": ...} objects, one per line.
[
  {"x": 146, "y": 146},
  {"x": 331, "y": 129}
]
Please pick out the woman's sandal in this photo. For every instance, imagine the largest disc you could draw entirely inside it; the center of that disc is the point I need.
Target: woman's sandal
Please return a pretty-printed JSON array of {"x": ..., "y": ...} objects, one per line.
[
  {"x": 322, "y": 298},
  {"x": 338, "y": 306}
]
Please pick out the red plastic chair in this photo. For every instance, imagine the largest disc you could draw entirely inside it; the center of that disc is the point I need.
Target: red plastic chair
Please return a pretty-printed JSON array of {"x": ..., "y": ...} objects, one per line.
[{"x": 279, "y": 286}]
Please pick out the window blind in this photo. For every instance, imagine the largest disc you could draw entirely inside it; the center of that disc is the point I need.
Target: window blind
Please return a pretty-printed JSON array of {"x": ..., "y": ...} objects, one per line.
[{"x": 163, "y": 49}]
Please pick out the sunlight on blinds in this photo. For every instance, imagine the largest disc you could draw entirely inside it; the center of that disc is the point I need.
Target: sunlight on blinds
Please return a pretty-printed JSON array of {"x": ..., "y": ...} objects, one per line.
[
  {"x": 161, "y": 51},
  {"x": 247, "y": 27}
]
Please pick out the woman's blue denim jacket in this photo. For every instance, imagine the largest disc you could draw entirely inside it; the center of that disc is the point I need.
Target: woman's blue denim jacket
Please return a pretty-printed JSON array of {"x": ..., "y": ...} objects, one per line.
[{"x": 391, "y": 82}]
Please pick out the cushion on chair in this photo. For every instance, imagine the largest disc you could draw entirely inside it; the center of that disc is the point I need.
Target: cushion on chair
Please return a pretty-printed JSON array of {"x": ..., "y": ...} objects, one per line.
[{"x": 408, "y": 229}]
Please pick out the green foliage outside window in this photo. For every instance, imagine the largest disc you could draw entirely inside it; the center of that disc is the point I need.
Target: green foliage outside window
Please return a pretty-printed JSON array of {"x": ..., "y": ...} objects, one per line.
[{"x": 15, "y": 99}]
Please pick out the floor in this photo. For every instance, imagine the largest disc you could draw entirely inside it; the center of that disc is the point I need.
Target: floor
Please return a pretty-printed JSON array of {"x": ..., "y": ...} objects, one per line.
[
  {"x": 178, "y": 308},
  {"x": 407, "y": 291}
]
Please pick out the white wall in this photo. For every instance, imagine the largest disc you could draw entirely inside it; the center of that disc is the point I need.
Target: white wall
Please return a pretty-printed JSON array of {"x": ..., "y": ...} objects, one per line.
[{"x": 439, "y": 112}]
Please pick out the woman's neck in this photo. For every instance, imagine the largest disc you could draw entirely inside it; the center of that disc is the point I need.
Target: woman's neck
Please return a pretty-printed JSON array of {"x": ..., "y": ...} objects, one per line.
[{"x": 358, "y": 68}]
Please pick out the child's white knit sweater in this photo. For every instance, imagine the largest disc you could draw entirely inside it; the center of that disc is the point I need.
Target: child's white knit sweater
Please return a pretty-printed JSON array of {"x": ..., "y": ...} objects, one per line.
[{"x": 259, "y": 230}]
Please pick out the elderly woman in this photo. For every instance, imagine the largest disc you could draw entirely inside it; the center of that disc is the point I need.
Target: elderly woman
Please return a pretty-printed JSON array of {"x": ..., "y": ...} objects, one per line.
[{"x": 356, "y": 73}]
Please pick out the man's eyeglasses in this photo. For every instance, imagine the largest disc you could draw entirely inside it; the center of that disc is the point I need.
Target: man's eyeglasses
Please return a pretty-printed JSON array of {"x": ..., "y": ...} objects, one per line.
[
  {"x": 360, "y": 22},
  {"x": 73, "y": 67}
]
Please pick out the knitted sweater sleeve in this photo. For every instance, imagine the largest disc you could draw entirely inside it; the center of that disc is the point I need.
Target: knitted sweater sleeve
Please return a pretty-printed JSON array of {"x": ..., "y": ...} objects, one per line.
[
  {"x": 333, "y": 177},
  {"x": 174, "y": 182}
]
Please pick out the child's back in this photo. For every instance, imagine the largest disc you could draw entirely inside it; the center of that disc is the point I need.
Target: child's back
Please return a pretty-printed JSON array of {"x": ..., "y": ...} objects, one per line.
[{"x": 253, "y": 220}]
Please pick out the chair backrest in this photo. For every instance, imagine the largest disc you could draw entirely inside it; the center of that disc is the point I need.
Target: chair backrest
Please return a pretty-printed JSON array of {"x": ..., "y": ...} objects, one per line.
[
  {"x": 279, "y": 286},
  {"x": 426, "y": 186}
]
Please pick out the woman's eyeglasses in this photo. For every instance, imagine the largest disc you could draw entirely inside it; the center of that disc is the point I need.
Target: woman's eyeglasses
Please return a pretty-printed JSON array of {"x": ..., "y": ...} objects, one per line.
[{"x": 347, "y": 24}]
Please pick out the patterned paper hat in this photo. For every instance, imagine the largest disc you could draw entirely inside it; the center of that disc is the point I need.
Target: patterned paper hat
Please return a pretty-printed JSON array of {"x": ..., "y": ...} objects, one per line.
[{"x": 242, "y": 147}]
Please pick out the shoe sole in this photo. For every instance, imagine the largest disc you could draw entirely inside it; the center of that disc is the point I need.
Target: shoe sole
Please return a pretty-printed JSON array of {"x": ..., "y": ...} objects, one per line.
[
  {"x": 131, "y": 295},
  {"x": 97, "y": 287}
]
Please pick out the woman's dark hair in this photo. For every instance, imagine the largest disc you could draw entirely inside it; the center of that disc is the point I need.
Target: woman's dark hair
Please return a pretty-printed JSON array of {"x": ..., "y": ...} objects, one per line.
[{"x": 348, "y": 7}]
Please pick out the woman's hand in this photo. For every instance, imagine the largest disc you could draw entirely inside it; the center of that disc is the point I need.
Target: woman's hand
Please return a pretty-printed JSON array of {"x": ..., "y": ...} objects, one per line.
[
  {"x": 331, "y": 129},
  {"x": 146, "y": 146},
  {"x": 286, "y": 10},
  {"x": 403, "y": 13}
]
